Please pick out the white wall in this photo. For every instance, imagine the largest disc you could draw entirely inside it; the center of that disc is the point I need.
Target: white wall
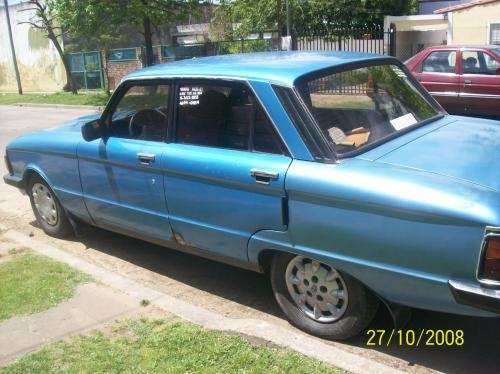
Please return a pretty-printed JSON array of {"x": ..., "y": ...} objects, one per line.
[{"x": 40, "y": 67}]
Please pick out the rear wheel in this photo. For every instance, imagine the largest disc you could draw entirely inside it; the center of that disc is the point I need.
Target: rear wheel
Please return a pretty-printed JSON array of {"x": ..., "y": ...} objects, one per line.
[
  {"x": 49, "y": 213},
  {"x": 319, "y": 299}
]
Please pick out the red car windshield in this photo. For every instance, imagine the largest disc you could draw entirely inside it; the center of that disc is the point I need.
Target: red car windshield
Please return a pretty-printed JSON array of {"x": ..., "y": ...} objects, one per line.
[{"x": 358, "y": 107}]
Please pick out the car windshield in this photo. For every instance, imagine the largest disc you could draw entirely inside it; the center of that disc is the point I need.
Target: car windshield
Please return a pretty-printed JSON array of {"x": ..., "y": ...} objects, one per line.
[
  {"x": 496, "y": 51},
  {"x": 358, "y": 107}
]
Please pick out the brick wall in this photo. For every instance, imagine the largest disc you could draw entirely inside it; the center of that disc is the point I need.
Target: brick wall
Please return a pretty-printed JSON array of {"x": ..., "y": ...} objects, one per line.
[{"x": 118, "y": 69}]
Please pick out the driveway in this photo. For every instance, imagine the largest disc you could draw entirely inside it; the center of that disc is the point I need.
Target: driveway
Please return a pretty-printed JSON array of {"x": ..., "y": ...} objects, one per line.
[{"x": 230, "y": 291}]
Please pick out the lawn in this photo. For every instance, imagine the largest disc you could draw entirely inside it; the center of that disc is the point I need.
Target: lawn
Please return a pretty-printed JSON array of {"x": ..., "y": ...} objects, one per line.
[
  {"x": 30, "y": 283},
  {"x": 95, "y": 99},
  {"x": 146, "y": 345}
]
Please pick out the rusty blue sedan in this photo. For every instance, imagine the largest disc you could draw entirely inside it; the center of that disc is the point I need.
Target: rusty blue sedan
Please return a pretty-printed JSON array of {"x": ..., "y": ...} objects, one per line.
[{"x": 335, "y": 173}]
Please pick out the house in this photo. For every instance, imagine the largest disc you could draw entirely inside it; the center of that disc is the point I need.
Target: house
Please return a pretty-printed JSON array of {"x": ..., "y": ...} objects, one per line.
[
  {"x": 474, "y": 22},
  {"x": 470, "y": 22}
]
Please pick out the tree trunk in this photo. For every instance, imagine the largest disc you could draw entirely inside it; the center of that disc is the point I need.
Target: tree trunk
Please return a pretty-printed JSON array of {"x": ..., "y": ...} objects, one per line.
[
  {"x": 104, "y": 58},
  {"x": 148, "y": 42},
  {"x": 67, "y": 68}
]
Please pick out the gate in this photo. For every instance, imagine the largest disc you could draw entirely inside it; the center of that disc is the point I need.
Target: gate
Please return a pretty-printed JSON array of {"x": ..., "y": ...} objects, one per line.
[{"x": 86, "y": 70}]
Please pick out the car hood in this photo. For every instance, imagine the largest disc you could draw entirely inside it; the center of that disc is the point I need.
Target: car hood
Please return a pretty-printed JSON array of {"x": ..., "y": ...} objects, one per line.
[
  {"x": 465, "y": 148},
  {"x": 74, "y": 124}
]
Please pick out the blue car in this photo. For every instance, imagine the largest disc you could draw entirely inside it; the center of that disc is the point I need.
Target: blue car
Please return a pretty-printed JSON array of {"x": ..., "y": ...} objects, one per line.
[{"x": 335, "y": 173}]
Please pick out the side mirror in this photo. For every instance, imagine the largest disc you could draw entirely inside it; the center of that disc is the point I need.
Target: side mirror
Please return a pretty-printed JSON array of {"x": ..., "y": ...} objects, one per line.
[{"x": 92, "y": 130}]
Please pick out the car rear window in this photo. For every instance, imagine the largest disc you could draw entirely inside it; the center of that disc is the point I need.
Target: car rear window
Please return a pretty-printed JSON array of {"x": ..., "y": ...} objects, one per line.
[{"x": 358, "y": 107}]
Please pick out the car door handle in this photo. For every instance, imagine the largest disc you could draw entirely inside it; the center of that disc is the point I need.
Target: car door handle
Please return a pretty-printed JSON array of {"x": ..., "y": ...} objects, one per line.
[
  {"x": 263, "y": 177},
  {"x": 146, "y": 158},
  {"x": 467, "y": 81}
]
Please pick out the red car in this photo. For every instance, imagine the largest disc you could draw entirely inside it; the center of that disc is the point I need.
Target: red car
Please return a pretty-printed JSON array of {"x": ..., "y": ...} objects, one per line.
[{"x": 463, "y": 79}]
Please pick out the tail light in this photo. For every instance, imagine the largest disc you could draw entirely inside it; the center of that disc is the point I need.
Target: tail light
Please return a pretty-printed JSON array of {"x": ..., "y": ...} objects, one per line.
[
  {"x": 8, "y": 164},
  {"x": 489, "y": 270}
]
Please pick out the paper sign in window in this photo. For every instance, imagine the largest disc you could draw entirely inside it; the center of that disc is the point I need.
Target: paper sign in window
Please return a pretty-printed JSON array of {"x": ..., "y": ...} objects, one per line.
[
  {"x": 190, "y": 95},
  {"x": 404, "y": 121}
]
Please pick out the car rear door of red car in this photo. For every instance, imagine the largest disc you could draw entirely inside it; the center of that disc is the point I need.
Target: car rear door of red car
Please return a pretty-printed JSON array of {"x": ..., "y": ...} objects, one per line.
[
  {"x": 438, "y": 73},
  {"x": 480, "y": 82}
]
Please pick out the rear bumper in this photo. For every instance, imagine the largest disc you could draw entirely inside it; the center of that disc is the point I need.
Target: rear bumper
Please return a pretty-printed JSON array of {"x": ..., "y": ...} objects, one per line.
[
  {"x": 12, "y": 180},
  {"x": 476, "y": 296}
]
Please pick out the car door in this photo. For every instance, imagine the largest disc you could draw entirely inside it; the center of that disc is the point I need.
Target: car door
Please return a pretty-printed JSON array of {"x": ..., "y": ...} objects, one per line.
[
  {"x": 438, "y": 74},
  {"x": 121, "y": 174},
  {"x": 225, "y": 168},
  {"x": 480, "y": 82}
]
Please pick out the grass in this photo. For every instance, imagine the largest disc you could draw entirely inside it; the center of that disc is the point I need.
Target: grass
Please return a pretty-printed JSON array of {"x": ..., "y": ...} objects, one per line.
[
  {"x": 95, "y": 99},
  {"x": 340, "y": 101},
  {"x": 139, "y": 346},
  {"x": 30, "y": 283}
]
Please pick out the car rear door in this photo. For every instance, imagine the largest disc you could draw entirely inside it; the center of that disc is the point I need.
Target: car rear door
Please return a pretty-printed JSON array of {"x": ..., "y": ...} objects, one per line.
[
  {"x": 122, "y": 174},
  {"x": 439, "y": 75},
  {"x": 225, "y": 168},
  {"x": 480, "y": 82}
]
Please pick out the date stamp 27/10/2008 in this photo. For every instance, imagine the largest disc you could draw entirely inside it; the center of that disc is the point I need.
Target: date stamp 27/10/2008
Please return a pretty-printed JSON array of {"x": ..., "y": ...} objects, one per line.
[{"x": 415, "y": 338}]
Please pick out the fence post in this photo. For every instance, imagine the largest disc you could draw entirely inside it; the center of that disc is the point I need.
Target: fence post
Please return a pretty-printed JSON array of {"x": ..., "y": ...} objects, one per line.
[{"x": 392, "y": 40}]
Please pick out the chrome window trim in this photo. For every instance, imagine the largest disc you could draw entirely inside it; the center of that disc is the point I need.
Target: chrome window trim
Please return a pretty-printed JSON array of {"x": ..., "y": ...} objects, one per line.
[
  {"x": 445, "y": 94},
  {"x": 479, "y": 96},
  {"x": 489, "y": 231}
]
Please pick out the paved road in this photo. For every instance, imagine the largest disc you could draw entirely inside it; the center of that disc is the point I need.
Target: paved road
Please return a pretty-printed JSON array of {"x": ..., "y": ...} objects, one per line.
[{"x": 231, "y": 291}]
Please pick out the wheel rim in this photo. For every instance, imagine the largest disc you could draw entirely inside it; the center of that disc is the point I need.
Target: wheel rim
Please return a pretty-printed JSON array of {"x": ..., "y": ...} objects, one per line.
[
  {"x": 44, "y": 203},
  {"x": 317, "y": 289}
]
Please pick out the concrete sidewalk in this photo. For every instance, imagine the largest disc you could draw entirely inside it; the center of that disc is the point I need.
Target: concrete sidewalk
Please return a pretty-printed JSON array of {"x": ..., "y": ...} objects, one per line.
[
  {"x": 136, "y": 292},
  {"x": 92, "y": 306}
]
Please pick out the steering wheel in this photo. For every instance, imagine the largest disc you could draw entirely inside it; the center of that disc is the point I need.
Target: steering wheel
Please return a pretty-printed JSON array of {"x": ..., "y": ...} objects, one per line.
[{"x": 144, "y": 121}]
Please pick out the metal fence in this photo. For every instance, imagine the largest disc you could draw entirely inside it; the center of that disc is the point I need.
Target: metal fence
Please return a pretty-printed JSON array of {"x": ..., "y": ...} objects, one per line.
[
  {"x": 369, "y": 40},
  {"x": 213, "y": 48},
  {"x": 86, "y": 69}
]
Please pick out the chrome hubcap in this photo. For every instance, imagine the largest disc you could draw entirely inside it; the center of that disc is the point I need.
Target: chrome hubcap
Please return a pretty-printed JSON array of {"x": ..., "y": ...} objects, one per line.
[
  {"x": 318, "y": 290},
  {"x": 44, "y": 203}
]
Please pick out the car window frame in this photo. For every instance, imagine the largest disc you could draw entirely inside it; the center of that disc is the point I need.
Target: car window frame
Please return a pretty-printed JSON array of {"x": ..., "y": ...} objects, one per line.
[
  {"x": 484, "y": 51},
  {"x": 172, "y": 129},
  {"x": 119, "y": 93},
  {"x": 356, "y": 65},
  {"x": 458, "y": 60}
]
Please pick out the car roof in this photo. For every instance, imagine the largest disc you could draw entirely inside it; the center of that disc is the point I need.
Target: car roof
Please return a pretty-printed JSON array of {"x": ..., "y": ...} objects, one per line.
[
  {"x": 282, "y": 68},
  {"x": 465, "y": 46}
]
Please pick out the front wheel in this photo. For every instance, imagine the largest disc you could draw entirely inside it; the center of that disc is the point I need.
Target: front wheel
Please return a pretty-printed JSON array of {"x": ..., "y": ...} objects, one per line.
[
  {"x": 319, "y": 299},
  {"x": 49, "y": 213}
]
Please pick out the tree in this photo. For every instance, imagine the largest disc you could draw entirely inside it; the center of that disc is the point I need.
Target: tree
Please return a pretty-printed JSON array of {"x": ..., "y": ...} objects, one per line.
[
  {"x": 243, "y": 17},
  {"x": 44, "y": 20},
  {"x": 90, "y": 18}
]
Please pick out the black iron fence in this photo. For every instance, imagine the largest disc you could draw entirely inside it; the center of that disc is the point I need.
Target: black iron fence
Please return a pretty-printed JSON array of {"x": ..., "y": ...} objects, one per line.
[
  {"x": 369, "y": 40},
  {"x": 86, "y": 67}
]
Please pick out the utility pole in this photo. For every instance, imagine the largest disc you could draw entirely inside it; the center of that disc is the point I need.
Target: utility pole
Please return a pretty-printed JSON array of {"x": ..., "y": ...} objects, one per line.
[
  {"x": 13, "y": 51},
  {"x": 287, "y": 17}
]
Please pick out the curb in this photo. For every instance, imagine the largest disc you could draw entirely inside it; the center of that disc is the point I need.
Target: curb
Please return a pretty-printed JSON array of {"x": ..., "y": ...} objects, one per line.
[
  {"x": 58, "y": 106},
  {"x": 302, "y": 343}
]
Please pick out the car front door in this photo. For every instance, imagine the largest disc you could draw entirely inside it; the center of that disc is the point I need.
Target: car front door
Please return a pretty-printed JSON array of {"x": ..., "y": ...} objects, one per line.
[
  {"x": 480, "y": 82},
  {"x": 225, "y": 168},
  {"x": 121, "y": 174},
  {"x": 438, "y": 74}
]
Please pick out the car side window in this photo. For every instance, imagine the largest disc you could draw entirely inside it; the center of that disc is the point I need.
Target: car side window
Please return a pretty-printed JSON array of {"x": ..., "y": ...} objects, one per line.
[
  {"x": 224, "y": 115},
  {"x": 440, "y": 62},
  {"x": 477, "y": 62},
  {"x": 142, "y": 113}
]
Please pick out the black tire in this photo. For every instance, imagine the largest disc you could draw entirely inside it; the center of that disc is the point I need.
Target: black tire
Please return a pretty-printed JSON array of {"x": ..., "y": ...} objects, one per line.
[
  {"x": 361, "y": 306},
  {"x": 62, "y": 227}
]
